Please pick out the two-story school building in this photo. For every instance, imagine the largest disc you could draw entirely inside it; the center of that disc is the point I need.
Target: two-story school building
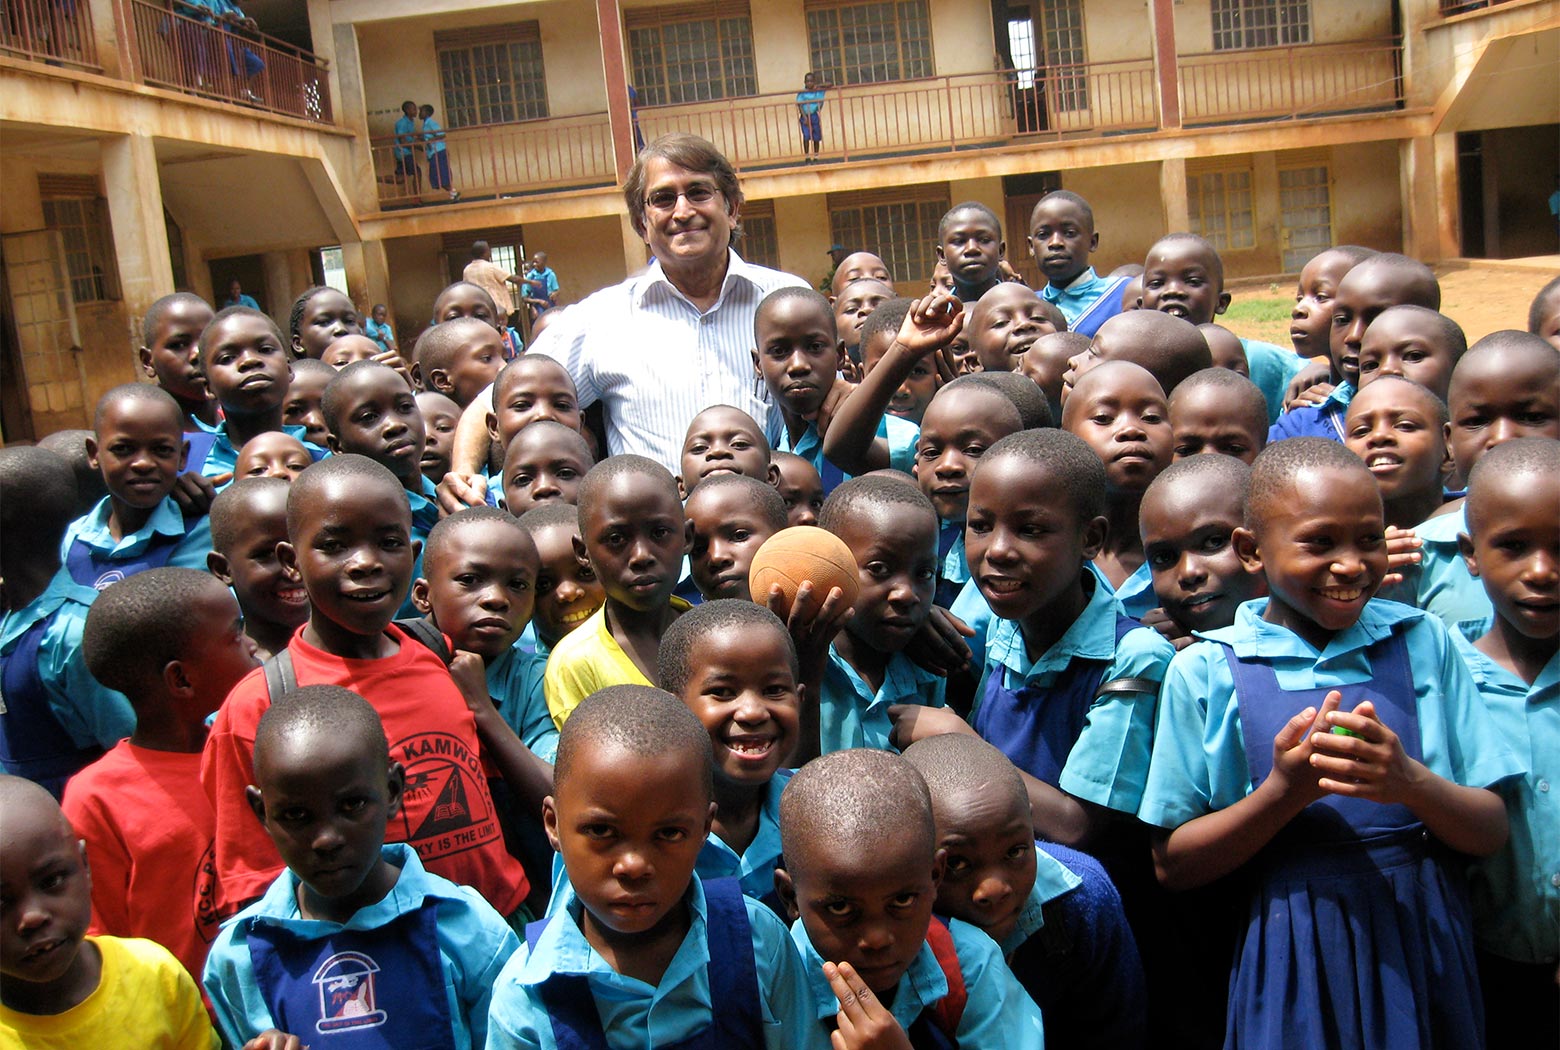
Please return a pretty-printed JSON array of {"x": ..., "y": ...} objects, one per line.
[{"x": 149, "y": 145}]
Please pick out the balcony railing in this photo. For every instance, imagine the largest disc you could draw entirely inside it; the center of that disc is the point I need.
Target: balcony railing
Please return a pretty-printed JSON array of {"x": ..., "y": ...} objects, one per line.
[
  {"x": 249, "y": 68},
  {"x": 1290, "y": 83},
  {"x": 1457, "y": 7},
  {"x": 493, "y": 160},
  {"x": 58, "y": 32}
]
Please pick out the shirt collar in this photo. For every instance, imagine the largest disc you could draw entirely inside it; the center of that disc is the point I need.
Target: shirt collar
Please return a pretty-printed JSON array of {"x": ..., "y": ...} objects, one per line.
[
  {"x": 1340, "y": 396},
  {"x": 1252, "y": 636},
  {"x": 737, "y": 269},
  {"x": 1079, "y": 286},
  {"x": 765, "y": 847},
  {"x": 61, "y": 589},
  {"x": 166, "y": 520},
  {"x": 1052, "y": 879},
  {"x": 1092, "y": 636},
  {"x": 413, "y": 887},
  {"x": 922, "y": 985},
  {"x": 563, "y": 949}
]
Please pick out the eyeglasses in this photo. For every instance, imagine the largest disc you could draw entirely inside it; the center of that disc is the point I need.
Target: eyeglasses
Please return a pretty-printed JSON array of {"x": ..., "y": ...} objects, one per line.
[{"x": 666, "y": 199}]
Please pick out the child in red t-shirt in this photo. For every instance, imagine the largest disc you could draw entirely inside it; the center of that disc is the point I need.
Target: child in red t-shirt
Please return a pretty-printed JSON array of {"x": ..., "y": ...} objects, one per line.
[
  {"x": 349, "y": 533},
  {"x": 172, "y": 640}
]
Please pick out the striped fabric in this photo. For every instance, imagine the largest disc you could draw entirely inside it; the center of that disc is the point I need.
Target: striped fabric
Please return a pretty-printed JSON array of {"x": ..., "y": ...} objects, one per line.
[{"x": 656, "y": 362}]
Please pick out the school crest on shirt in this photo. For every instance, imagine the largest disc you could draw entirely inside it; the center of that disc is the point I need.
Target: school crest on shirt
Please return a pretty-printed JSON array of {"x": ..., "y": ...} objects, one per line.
[
  {"x": 445, "y": 808},
  {"x": 345, "y": 983},
  {"x": 207, "y": 921}
]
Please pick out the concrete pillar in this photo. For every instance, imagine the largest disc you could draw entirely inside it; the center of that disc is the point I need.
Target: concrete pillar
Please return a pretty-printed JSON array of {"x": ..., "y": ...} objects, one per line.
[
  {"x": 1162, "y": 18},
  {"x": 279, "y": 288},
  {"x": 634, "y": 251},
  {"x": 114, "y": 36},
  {"x": 1427, "y": 181},
  {"x": 368, "y": 275},
  {"x": 135, "y": 209},
  {"x": 1172, "y": 195},
  {"x": 322, "y": 41},
  {"x": 610, "y": 22}
]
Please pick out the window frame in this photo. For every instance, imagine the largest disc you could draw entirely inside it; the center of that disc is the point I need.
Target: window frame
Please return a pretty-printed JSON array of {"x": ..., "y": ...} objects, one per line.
[
  {"x": 730, "y": 29},
  {"x": 516, "y": 99},
  {"x": 910, "y": 261},
  {"x": 1250, "y": 25},
  {"x": 831, "y": 58},
  {"x": 760, "y": 241},
  {"x": 86, "y": 233},
  {"x": 1199, "y": 195}
]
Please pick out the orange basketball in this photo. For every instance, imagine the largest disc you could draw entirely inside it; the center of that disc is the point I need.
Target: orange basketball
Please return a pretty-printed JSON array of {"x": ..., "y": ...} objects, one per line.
[{"x": 802, "y": 552}]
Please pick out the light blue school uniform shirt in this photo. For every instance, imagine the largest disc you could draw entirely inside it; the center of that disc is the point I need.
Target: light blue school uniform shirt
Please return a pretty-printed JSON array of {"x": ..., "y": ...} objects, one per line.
[
  {"x": 754, "y": 868},
  {"x": 1324, "y": 420},
  {"x": 405, "y": 135},
  {"x": 382, "y": 334},
  {"x": 474, "y": 944},
  {"x": 971, "y": 607},
  {"x": 901, "y": 435},
  {"x": 1136, "y": 593},
  {"x": 1516, "y": 892},
  {"x": 635, "y": 1014},
  {"x": 89, "y": 712},
  {"x": 1080, "y": 294},
  {"x": 242, "y": 300},
  {"x": 1109, "y": 763},
  {"x": 223, "y": 456},
  {"x": 852, "y": 714},
  {"x": 1052, "y": 880},
  {"x": 810, "y": 101},
  {"x": 433, "y": 136},
  {"x": 1199, "y": 762},
  {"x": 998, "y": 1012},
  {"x": 166, "y": 520},
  {"x": 1442, "y": 583},
  {"x": 515, "y": 684},
  {"x": 1271, "y": 368}
]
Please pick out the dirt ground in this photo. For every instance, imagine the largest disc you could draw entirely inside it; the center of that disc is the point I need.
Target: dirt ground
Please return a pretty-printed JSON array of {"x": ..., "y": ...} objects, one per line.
[{"x": 1482, "y": 297}]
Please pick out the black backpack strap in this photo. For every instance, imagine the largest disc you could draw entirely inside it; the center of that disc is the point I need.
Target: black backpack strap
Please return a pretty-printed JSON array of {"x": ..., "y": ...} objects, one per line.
[
  {"x": 1128, "y": 685},
  {"x": 430, "y": 636},
  {"x": 280, "y": 678}
]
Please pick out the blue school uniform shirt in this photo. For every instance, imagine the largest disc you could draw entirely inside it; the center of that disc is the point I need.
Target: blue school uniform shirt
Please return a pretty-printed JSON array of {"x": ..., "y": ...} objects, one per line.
[
  {"x": 1271, "y": 368},
  {"x": 1199, "y": 763},
  {"x": 223, "y": 456},
  {"x": 901, "y": 435},
  {"x": 635, "y": 1014},
  {"x": 1108, "y": 764},
  {"x": 90, "y": 713},
  {"x": 954, "y": 569},
  {"x": 810, "y": 101},
  {"x": 851, "y": 714},
  {"x": 1516, "y": 892},
  {"x": 474, "y": 943},
  {"x": 515, "y": 684},
  {"x": 1136, "y": 593},
  {"x": 405, "y": 135},
  {"x": 433, "y": 136},
  {"x": 166, "y": 520},
  {"x": 1086, "y": 973},
  {"x": 754, "y": 868},
  {"x": 1088, "y": 301},
  {"x": 1441, "y": 581},
  {"x": 379, "y": 333},
  {"x": 1324, "y": 420},
  {"x": 998, "y": 1012}
]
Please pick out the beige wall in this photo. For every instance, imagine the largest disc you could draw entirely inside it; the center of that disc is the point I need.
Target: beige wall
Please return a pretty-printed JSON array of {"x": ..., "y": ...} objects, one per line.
[
  {"x": 802, "y": 228},
  {"x": 1366, "y": 198},
  {"x": 580, "y": 252},
  {"x": 1127, "y": 215},
  {"x": 1331, "y": 21},
  {"x": 1117, "y": 29}
]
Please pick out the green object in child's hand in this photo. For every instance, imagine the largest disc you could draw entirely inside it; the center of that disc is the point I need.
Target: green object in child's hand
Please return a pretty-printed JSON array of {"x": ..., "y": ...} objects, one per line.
[{"x": 1342, "y": 731}]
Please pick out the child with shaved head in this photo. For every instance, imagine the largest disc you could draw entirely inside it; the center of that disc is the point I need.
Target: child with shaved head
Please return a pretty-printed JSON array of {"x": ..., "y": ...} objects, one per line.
[
  {"x": 460, "y": 358},
  {"x": 1170, "y": 348},
  {"x": 65, "y": 989},
  {"x": 637, "y": 944},
  {"x": 1052, "y": 910},
  {"x": 860, "y": 879},
  {"x": 248, "y": 521},
  {"x": 355, "y": 933}
]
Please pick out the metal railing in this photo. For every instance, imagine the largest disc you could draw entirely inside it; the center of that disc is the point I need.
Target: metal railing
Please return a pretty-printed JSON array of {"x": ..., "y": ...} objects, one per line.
[
  {"x": 1293, "y": 82},
  {"x": 1457, "y": 7},
  {"x": 58, "y": 32},
  {"x": 173, "y": 50},
  {"x": 490, "y": 160}
]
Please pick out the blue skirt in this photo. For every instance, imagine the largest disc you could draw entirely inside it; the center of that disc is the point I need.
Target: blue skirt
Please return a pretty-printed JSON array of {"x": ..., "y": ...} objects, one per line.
[{"x": 1364, "y": 947}]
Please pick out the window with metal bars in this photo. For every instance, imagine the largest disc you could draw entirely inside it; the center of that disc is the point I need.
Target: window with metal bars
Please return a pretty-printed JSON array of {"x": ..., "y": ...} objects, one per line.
[
  {"x": 850, "y": 42},
  {"x": 759, "y": 243},
  {"x": 691, "y": 53},
  {"x": 902, "y": 232},
  {"x": 89, "y": 246},
  {"x": 1242, "y": 24},
  {"x": 1219, "y": 206},
  {"x": 492, "y": 74},
  {"x": 1061, "y": 25}
]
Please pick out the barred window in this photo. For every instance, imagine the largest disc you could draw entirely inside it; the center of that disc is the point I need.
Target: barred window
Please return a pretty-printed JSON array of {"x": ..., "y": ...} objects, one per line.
[
  {"x": 1241, "y": 24},
  {"x": 691, "y": 53},
  {"x": 74, "y": 208},
  {"x": 1061, "y": 22},
  {"x": 491, "y": 74},
  {"x": 1304, "y": 213},
  {"x": 850, "y": 42},
  {"x": 1219, "y": 206},
  {"x": 759, "y": 244},
  {"x": 900, "y": 225}
]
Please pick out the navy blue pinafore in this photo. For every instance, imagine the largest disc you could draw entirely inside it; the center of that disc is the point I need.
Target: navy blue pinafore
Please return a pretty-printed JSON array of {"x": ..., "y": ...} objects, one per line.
[
  {"x": 33, "y": 744},
  {"x": 1358, "y": 933},
  {"x": 379, "y": 989},
  {"x": 736, "y": 1019}
]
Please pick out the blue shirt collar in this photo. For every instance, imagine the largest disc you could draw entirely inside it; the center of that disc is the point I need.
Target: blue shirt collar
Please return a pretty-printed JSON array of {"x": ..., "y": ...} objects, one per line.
[
  {"x": 1092, "y": 636},
  {"x": 1052, "y": 879},
  {"x": 166, "y": 520},
  {"x": 1253, "y": 637},
  {"x": 61, "y": 589},
  {"x": 413, "y": 887},
  {"x": 922, "y": 985},
  {"x": 563, "y": 949}
]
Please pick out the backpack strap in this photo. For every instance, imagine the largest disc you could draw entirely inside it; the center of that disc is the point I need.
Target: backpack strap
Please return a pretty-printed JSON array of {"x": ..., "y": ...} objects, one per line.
[
  {"x": 280, "y": 678},
  {"x": 430, "y": 636},
  {"x": 948, "y": 1011}
]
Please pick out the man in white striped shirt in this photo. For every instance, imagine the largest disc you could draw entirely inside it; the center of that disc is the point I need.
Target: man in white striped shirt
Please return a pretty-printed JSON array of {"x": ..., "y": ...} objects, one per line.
[{"x": 664, "y": 345}]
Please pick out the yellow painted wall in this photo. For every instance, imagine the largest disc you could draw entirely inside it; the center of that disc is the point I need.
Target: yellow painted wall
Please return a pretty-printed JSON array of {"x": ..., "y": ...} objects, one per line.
[
  {"x": 1117, "y": 29},
  {"x": 1366, "y": 197},
  {"x": 1331, "y": 21},
  {"x": 415, "y": 281},
  {"x": 802, "y": 229},
  {"x": 961, "y": 37},
  {"x": 1127, "y": 215},
  {"x": 575, "y": 250}
]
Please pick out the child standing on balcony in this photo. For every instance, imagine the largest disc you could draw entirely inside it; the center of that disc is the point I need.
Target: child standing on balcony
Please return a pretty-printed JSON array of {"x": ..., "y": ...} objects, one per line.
[
  {"x": 438, "y": 153},
  {"x": 809, "y": 110}
]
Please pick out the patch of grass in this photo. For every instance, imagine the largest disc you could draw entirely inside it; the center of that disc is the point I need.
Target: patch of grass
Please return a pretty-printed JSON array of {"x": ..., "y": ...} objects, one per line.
[{"x": 1265, "y": 310}]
